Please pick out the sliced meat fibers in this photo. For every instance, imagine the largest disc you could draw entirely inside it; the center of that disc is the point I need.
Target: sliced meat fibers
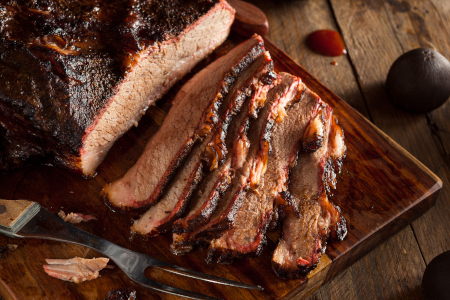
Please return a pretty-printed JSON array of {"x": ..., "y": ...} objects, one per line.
[
  {"x": 193, "y": 115},
  {"x": 76, "y": 75},
  {"x": 247, "y": 236},
  {"x": 75, "y": 269},
  {"x": 308, "y": 215},
  {"x": 160, "y": 217},
  {"x": 216, "y": 182},
  {"x": 186, "y": 230},
  {"x": 255, "y": 165}
]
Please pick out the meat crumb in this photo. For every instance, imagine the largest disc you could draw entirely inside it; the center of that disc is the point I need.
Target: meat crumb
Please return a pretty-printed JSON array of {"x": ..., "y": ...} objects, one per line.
[
  {"x": 75, "y": 218},
  {"x": 75, "y": 269},
  {"x": 5, "y": 249},
  {"x": 122, "y": 294}
]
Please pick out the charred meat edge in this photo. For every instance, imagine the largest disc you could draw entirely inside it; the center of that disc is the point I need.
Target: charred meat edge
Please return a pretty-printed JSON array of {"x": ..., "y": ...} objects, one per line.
[
  {"x": 242, "y": 240},
  {"x": 194, "y": 111},
  {"x": 218, "y": 181},
  {"x": 313, "y": 212},
  {"x": 160, "y": 217},
  {"x": 227, "y": 210},
  {"x": 91, "y": 94}
]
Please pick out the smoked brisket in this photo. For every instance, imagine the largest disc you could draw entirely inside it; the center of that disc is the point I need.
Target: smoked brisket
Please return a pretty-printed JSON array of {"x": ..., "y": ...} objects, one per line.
[
  {"x": 75, "y": 76},
  {"x": 194, "y": 114}
]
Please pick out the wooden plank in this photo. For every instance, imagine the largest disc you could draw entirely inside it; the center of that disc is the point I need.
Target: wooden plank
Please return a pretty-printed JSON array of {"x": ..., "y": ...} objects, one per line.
[
  {"x": 425, "y": 24},
  {"x": 290, "y": 23},
  {"x": 369, "y": 278},
  {"x": 386, "y": 34},
  {"x": 303, "y": 17}
]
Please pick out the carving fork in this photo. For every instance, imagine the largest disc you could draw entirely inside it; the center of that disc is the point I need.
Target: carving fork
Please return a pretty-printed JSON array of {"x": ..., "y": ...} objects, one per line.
[{"x": 27, "y": 219}]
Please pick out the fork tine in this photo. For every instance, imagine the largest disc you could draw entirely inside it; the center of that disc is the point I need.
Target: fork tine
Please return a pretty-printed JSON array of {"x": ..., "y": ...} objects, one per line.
[
  {"x": 154, "y": 285},
  {"x": 202, "y": 276}
]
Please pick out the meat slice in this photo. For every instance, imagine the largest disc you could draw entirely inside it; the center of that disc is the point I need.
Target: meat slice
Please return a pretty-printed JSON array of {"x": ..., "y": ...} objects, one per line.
[
  {"x": 309, "y": 216},
  {"x": 160, "y": 217},
  {"x": 75, "y": 218},
  {"x": 220, "y": 148},
  {"x": 259, "y": 136},
  {"x": 75, "y": 269},
  {"x": 193, "y": 115},
  {"x": 247, "y": 237},
  {"x": 75, "y": 76}
]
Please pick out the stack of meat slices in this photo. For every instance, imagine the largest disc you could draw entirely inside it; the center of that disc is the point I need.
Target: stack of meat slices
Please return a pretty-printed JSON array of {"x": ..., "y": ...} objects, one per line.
[{"x": 218, "y": 171}]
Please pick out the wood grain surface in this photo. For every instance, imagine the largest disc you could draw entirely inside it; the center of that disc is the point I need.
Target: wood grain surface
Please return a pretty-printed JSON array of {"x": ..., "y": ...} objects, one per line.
[
  {"x": 375, "y": 32},
  {"x": 373, "y": 214}
]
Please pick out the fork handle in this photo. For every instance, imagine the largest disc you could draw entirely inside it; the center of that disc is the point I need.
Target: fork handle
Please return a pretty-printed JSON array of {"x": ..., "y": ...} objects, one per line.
[{"x": 13, "y": 211}]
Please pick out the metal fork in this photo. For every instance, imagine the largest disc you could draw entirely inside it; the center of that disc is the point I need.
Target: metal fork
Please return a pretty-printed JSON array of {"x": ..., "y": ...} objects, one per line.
[{"x": 37, "y": 222}]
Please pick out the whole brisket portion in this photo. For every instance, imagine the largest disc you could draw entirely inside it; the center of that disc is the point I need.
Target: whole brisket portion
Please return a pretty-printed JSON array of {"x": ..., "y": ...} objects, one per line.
[
  {"x": 75, "y": 76},
  {"x": 308, "y": 215},
  {"x": 193, "y": 115},
  {"x": 247, "y": 236},
  {"x": 172, "y": 205}
]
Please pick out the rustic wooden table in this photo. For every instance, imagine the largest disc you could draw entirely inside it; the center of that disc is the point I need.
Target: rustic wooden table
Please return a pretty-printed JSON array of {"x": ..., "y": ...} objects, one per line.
[{"x": 376, "y": 32}]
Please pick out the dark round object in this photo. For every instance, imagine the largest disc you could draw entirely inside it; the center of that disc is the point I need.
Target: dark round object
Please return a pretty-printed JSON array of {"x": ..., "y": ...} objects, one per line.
[
  {"x": 419, "y": 80},
  {"x": 435, "y": 282}
]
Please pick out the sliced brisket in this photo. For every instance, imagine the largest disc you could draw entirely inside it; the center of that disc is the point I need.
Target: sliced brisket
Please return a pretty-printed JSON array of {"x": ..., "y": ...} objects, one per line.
[
  {"x": 221, "y": 148},
  {"x": 174, "y": 202},
  {"x": 308, "y": 215},
  {"x": 259, "y": 135},
  {"x": 193, "y": 115},
  {"x": 75, "y": 76},
  {"x": 247, "y": 236}
]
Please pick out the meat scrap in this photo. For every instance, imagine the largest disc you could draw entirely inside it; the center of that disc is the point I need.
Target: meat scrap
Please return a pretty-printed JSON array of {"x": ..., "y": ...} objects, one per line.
[
  {"x": 5, "y": 249},
  {"x": 75, "y": 269},
  {"x": 75, "y": 218},
  {"x": 122, "y": 294}
]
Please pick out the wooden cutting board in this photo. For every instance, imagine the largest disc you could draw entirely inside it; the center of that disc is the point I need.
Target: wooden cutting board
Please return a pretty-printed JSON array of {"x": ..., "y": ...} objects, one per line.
[{"x": 381, "y": 189}]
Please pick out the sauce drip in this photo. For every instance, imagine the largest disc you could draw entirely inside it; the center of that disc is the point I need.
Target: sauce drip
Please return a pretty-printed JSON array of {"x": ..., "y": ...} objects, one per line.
[{"x": 326, "y": 42}]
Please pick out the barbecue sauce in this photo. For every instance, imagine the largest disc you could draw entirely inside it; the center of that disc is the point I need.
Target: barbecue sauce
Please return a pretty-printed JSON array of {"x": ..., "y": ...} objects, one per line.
[{"x": 326, "y": 42}]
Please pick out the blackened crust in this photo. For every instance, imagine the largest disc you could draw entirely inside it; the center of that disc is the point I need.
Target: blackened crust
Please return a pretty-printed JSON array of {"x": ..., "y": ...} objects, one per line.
[{"x": 62, "y": 61}]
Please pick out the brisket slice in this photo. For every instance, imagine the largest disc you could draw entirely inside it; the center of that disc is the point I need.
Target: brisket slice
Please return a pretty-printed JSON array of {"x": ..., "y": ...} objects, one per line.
[
  {"x": 259, "y": 136},
  {"x": 160, "y": 217},
  {"x": 247, "y": 236},
  {"x": 217, "y": 182},
  {"x": 75, "y": 76},
  {"x": 308, "y": 215},
  {"x": 193, "y": 115}
]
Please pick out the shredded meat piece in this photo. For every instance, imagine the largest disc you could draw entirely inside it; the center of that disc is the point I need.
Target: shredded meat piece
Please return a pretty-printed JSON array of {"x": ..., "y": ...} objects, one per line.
[
  {"x": 122, "y": 294},
  {"x": 75, "y": 269},
  {"x": 75, "y": 218},
  {"x": 5, "y": 249}
]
